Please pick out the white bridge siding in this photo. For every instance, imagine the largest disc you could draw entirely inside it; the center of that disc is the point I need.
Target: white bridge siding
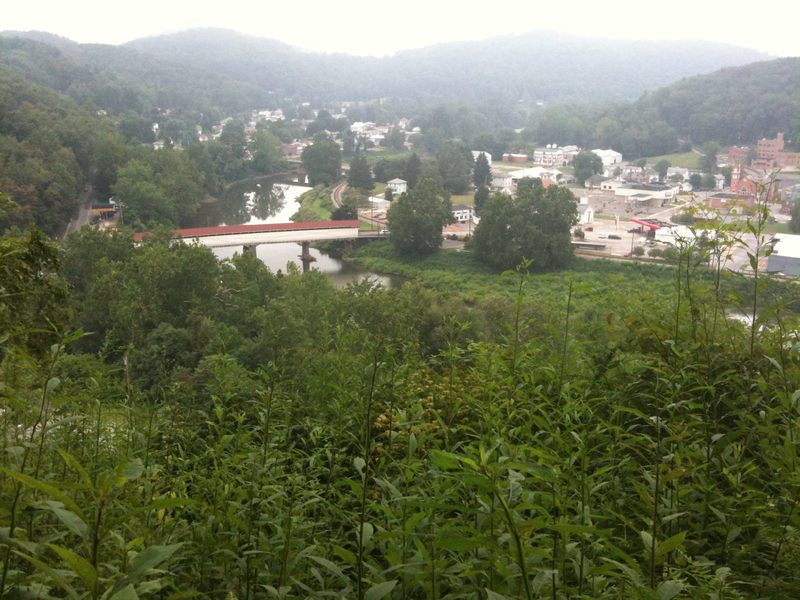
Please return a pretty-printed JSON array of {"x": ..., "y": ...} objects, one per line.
[{"x": 276, "y": 237}]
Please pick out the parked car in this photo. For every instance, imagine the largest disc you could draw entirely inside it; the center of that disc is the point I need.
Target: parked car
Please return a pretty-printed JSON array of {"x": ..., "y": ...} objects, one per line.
[{"x": 614, "y": 236}]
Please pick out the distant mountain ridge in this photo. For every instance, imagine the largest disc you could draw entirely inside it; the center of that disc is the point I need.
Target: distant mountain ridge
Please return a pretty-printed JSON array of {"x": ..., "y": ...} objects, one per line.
[
  {"x": 117, "y": 78},
  {"x": 535, "y": 66}
]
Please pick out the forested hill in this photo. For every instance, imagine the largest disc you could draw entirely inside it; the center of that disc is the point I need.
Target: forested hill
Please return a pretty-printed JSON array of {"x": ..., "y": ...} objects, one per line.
[
  {"x": 119, "y": 79},
  {"x": 733, "y": 105},
  {"x": 536, "y": 66},
  {"x": 48, "y": 148}
]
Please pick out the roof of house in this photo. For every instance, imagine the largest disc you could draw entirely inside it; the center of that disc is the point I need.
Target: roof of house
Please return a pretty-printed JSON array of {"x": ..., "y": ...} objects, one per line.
[
  {"x": 397, "y": 180},
  {"x": 193, "y": 232},
  {"x": 787, "y": 245},
  {"x": 461, "y": 207}
]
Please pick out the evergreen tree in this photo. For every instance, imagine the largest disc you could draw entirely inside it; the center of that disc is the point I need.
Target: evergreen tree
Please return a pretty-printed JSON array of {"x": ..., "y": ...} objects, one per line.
[
  {"x": 360, "y": 175},
  {"x": 480, "y": 198},
  {"x": 482, "y": 172},
  {"x": 412, "y": 170},
  {"x": 794, "y": 224}
]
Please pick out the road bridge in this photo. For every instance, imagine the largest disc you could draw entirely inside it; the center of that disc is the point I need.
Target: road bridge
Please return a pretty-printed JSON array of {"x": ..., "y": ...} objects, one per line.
[{"x": 250, "y": 236}]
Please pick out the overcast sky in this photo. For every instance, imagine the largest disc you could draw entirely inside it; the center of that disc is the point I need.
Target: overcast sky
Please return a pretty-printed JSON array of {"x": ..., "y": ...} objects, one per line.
[{"x": 381, "y": 27}]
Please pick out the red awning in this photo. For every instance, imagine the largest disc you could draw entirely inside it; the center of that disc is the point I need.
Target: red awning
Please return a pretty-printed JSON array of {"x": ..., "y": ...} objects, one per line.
[{"x": 645, "y": 223}]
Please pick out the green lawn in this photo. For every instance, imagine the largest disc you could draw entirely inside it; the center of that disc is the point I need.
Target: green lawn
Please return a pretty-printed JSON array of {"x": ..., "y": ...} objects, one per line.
[
  {"x": 686, "y": 160},
  {"x": 373, "y": 155},
  {"x": 468, "y": 199},
  {"x": 778, "y": 228},
  {"x": 315, "y": 205}
]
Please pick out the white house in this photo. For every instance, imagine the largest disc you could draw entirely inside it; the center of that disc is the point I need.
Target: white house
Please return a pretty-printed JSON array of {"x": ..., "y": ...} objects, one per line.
[
  {"x": 398, "y": 186},
  {"x": 462, "y": 213},
  {"x": 502, "y": 181},
  {"x": 609, "y": 156},
  {"x": 477, "y": 153}
]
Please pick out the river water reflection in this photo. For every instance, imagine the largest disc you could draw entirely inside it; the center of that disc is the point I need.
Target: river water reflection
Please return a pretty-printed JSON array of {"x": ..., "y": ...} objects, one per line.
[{"x": 262, "y": 200}]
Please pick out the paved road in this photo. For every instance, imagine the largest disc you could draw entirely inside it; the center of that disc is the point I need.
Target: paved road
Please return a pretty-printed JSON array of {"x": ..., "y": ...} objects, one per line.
[{"x": 84, "y": 212}]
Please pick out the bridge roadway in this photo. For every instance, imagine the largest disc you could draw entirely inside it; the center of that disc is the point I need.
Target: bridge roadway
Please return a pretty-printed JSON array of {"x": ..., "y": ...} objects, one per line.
[
  {"x": 250, "y": 236},
  {"x": 273, "y": 233}
]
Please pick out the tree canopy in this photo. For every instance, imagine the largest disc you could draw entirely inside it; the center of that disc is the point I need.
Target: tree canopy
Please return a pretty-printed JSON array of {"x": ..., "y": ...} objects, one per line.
[
  {"x": 360, "y": 175},
  {"x": 535, "y": 225},
  {"x": 455, "y": 166},
  {"x": 416, "y": 219},
  {"x": 322, "y": 161},
  {"x": 482, "y": 172},
  {"x": 586, "y": 164}
]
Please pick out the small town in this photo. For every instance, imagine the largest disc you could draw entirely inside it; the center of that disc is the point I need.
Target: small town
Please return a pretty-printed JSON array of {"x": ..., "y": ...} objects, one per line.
[{"x": 433, "y": 302}]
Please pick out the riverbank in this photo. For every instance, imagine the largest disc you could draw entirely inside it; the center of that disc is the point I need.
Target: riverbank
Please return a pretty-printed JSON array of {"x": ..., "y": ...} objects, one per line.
[
  {"x": 598, "y": 284},
  {"x": 458, "y": 271},
  {"x": 315, "y": 205}
]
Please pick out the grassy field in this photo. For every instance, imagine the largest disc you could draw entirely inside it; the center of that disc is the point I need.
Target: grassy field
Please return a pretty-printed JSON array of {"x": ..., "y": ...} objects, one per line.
[
  {"x": 460, "y": 272},
  {"x": 778, "y": 228},
  {"x": 600, "y": 286},
  {"x": 315, "y": 205},
  {"x": 685, "y": 160},
  {"x": 468, "y": 199},
  {"x": 373, "y": 155}
]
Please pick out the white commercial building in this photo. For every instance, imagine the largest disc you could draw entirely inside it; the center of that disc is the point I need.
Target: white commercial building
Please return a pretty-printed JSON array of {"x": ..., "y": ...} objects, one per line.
[
  {"x": 609, "y": 157},
  {"x": 785, "y": 257}
]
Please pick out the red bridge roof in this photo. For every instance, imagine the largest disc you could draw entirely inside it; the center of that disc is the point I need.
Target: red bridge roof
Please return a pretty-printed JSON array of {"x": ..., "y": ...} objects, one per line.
[{"x": 194, "y": 232}]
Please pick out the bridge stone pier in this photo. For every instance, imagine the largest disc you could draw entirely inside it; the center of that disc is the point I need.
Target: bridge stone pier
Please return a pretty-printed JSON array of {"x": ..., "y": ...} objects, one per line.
[{"x": 306, "y": 258}]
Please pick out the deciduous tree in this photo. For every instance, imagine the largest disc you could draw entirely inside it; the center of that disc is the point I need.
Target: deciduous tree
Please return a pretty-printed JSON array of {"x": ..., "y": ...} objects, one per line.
[
  {"x": 661, "y": 168},
  {"x": 536, "y": 224},
  {"x": 417, "y": 217},
  {"x": 455, "y": 166},
  {"x": 586, "y": 164},
  {"x": 322, "y": 161}
]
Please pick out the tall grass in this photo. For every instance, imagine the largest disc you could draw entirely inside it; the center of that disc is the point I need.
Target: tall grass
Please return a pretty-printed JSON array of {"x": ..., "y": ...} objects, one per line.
[{"x": 551, "y": 440}]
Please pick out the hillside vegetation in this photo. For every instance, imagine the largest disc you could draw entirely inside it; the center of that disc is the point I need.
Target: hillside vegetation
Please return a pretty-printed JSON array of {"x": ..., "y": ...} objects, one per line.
[
  {"x": 536, "y": 66},
  {"x": 735, "y": 105},
  {"x": 174, "y": 425},
  {"x": 119, "y": 79}
]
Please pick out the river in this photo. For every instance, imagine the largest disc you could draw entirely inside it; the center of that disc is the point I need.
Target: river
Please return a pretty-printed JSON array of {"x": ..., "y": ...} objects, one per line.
[{"x": 262, "y": 200}]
